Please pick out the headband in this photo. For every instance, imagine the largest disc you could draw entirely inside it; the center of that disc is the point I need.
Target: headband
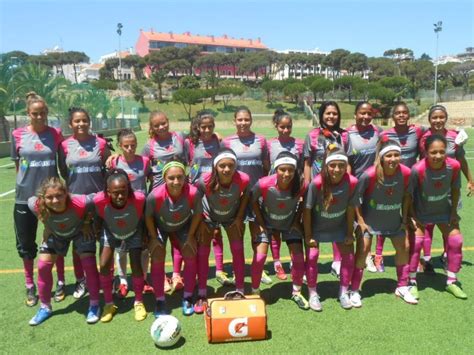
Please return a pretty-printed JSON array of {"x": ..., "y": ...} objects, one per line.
[
  {"x": 172, "y": 164},
  {"x": 389, "y": 148},
  {"x": 336, "y": 157},
  {"x": 284, "y": 160},
  {"x": 224, "y": 155}
]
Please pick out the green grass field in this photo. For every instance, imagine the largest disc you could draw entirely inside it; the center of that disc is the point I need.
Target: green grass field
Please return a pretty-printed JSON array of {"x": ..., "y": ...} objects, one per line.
[{"x": 439, "y": 323}]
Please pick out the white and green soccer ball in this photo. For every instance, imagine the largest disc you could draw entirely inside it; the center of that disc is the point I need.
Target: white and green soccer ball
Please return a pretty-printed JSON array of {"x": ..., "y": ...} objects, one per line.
[{"x": 165, "y": 331}]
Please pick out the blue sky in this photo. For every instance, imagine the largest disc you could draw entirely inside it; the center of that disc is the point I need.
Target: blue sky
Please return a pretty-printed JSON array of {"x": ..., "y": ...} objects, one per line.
[{"x": 367, "y": 26}]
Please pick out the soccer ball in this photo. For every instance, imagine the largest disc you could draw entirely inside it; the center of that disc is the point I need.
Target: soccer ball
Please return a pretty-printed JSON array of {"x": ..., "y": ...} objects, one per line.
[{"x": 165, "y": 331}]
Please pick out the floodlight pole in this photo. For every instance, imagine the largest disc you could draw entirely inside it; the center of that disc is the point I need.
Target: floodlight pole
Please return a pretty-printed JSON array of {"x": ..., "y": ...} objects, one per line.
[
  {"x": 119, "y": 32},
  {"x": 438, "y": 27}
]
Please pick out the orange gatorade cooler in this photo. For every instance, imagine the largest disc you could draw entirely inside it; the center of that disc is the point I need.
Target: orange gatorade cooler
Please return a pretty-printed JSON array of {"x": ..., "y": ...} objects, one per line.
[{"x": 235, "y": 317}]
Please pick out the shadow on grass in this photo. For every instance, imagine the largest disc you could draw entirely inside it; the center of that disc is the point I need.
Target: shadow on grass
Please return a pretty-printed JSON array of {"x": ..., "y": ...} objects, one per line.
[{"x": 178, "y": 345}]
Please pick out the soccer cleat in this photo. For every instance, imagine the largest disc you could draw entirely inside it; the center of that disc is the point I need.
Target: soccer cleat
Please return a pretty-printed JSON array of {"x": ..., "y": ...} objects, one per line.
[
  {"x": 345, "y": 300},
  {"x": 160, "y": 309},
  {"x": 356, "y": 300},
  {"x": 140, "y": 311},
  {"x": 444, "y": 261},
  {"x": 266, "y": 280},
  {"x": 177, "y": 282},
  {"x": 299, "y": 299},
  {"x": 122, "y": 291},
  {"x": 336, "y": 269},
  {"x": 255, "y": 291},
  {"x": 109, "y": 312},
  {"x": 223, "y": 279},
  {"x": 280, "y": 272},
  {"x": 404, "y": 293},
  {"x": 93, "y": 314},
  {"x": 187, "y": 307},
  {"x": 200, "y": 305},
  {"x": 378, "y": 262},
  {"x": 148, "y": 288},
  {"x": 42, "y": 314},
  {"x": 167, "y": 287},
  {"x": 369, "y": 264},
  {"x": 414, "y": 290},
  {"x": 60, "y": 293},
  {"x": 456, "y": 291},
  {"x": 79, "y": 289},
  {"x": 315, "y": 303},
  {"x": 31, "y": 297}
]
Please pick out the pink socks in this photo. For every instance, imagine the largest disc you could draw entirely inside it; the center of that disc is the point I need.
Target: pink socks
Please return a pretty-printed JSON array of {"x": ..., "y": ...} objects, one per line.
[
  {"x": 218, "y": 247},
  {"x": 298, "y": 269},
  {"x": 275, "y": 247},
  {"x": 29, "y": 272},
  {"x": 427, "y": 241},
  {"x": 336, "y": 253},
  {"x": 45, "y": 282},
  {"x": 177, "y": 257},
  {"x": 138, "y": 283},
  {"x": 238, "y": 263},
  {"x": 158, "y": 278},
  {"x": 402, "y": 275},
  {"x": 60, "y": 268},
  {"x": 78, "y": 270},
  {"x": 417, "y": 244},
  {"x": 347, "y": 270},
  {"x": 92, "y": 278},
  {"x": 312, "y": 255},
  {"x": 106, "y": 285},
  {"x": 190, "y": 271},
  {"x": 356, "y": 279},
  {"x": 203, "y": 268},
  {"x": 379, "y": 245},
  {"x": 257, "y": 269},
  {"x": 454, "y": 244}
]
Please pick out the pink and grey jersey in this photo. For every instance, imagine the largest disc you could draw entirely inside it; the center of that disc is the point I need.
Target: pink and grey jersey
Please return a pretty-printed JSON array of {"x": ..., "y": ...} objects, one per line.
[
  {"x": 221, "y": 206},
  {"x": 161, "y": 152},
  {"x": 431, "y": 190},
  {"x": 172, "y": 214},
  {"x": 68, "y": 224},
  {"x": 200, "y": 156},
  {"x": 123, "y": 222},
  {"x": 251, "y": 152},
  {"x": 137, "y": 170},
  {"x": 315, "y": 144},
  {"x": 453, "y": 150},
  {"x": 360, "y": 147},
  {"x": 381, "y": 204},
  {"x": 409, "y": 142},
  {"x": 82, "y": 164},
  {"x": 277, "y": 145},
  {"x": 331, "y": 224},
  {"x": 278, "y": 207},
  {"x": 36, "y": 154}
]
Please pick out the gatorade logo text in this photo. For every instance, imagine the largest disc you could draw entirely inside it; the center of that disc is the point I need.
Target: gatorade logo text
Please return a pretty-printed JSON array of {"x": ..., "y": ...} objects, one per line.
[{"x": 239, "y": 328}]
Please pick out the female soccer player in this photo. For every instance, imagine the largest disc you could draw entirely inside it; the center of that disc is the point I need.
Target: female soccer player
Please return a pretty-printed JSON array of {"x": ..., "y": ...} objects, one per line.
[
  {"x": 138, "y": 170},
  {"x": 436, "y": 185},
  {"x": 329, "y": 217},
  {"x": 283, "y": 143},
  {"x": 407, "y": 136},
  {"x": 82, "y": 164},
  {"x": 225, "y": 197},
  {"x": 34, "y": 149},
  {"x": 316, "y": 142},
  {"x": 438, "y": 118},
  {"x": 160, "y": 148},
  {"x": 252, "y": 159},
  {"x": 66, "y": 219},
  {"x": 200, "y": 148},
  {"x": 121, "y": 211},
  {"x": 383, "y": 209},
  {"x": 173, "y": 210},
  {"x": 276, "y": 202},
  {"x": 360, "y": 144}
]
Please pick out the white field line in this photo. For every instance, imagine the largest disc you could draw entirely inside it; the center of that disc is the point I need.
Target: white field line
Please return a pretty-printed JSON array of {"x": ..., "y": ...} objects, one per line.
[
  {"x": 7, "y": 165},
  {"x": 7, "y": 193}
]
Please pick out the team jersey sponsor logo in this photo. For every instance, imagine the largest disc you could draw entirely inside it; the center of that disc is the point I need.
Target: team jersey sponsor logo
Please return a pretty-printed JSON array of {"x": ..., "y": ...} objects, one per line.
[
  {"x": 40, "y": 163},
  {"x": 172, "y": 224},
  {"x": 250, "y": 162},
  {"x": 384, "y": 207},
  {"x": 437, "y": 197},
  {"x": 278, "y": 217},
  {"x": 333, "y": 215},
  {"x": 84, "y": 169}
]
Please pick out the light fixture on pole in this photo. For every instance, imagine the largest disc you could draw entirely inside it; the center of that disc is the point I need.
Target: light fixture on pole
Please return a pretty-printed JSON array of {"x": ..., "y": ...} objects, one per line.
[
  {"x": 438, "y": 27},
  {"x": 119, "y": 32},
  {"x": 13, "y": 66}
]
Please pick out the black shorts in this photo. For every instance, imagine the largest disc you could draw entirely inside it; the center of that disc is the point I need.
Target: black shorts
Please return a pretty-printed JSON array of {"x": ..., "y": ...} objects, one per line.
[{"x": 26, "y": 224}]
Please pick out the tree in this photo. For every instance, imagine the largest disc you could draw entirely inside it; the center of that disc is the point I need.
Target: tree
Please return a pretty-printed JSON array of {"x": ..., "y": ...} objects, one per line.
[
  {"x": 355, "y": 62},
  {"x": 189, "y": 82},
  {"x": 420, "y": 73},
  {"x": 349, "y": 84},
  {"x": 253, "y": 64},
  {"x": 381, "y": 67},
  {"x": 137, "y": 63},
  {"x": 464, "y": 71},
  {"x": 294, "y": 90},
  {"x": 21, "y": 57},
  {"x": 399, "y": 54},
  {"x": 400, "y": 85},
  {"x": 321, "y": 86},
  {"x": 229, "y": 91},
  {"x": 176, "y": 66},
  {"x": 334, "y": 61},
  {"x": 271, "y": 86},
  {"x": 138, "y": 92},
  {"x": 190, "y": 54},
  {"x": 74, "y": 58},
  {"x": 378, "y": 92},
  {"x": 159, "y": 77},
  {"x": 188, "y": 98},
  {"x": 425, "y": 56}
]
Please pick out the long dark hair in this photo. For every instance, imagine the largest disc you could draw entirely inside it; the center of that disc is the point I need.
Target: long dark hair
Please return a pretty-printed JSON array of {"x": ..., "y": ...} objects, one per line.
[
  {"x": 194, "y": 133},
  {"x": 297, "y": 182},
  {"x": 322, "y": 109}
]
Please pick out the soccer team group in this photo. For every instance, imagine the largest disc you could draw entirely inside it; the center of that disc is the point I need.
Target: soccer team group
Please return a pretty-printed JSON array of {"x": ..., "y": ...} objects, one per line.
[{"x": 338, "y": 186}]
